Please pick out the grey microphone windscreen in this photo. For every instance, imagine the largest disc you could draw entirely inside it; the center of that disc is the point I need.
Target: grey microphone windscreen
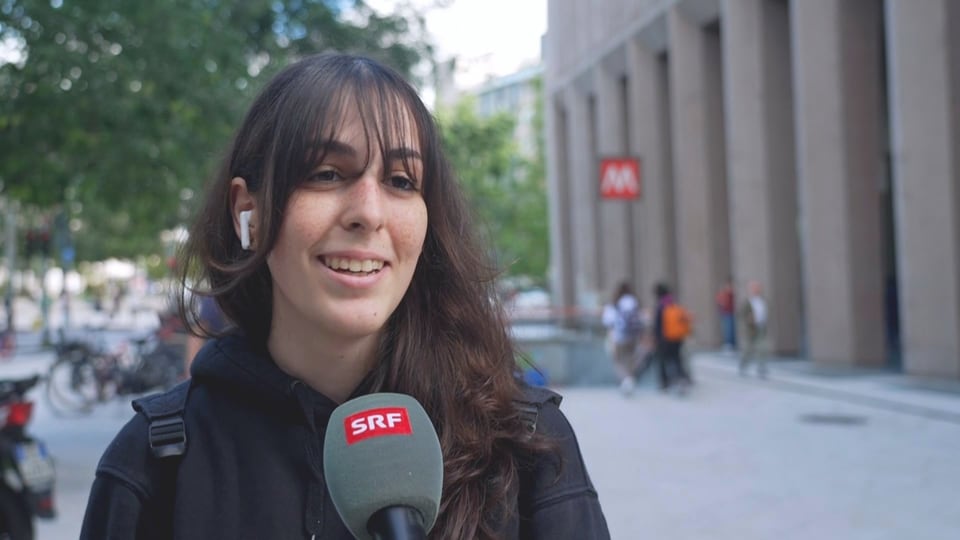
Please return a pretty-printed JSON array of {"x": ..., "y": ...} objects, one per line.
[{"x": 381, "y": 450}]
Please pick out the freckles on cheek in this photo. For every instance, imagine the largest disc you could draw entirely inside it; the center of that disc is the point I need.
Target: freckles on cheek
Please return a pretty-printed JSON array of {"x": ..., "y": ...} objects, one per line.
[
  {"x": 414, "y": 238},
  {"x": 417, "y": 232},
  {"x": 297, "y": 227}
]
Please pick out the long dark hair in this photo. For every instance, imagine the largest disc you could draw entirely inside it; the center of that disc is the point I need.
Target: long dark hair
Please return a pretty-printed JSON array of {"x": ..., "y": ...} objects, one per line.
[{"x": 446, "y": 344}]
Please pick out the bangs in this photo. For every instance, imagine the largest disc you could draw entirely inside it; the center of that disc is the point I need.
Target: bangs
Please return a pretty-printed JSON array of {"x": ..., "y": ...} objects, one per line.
[{"x": 385, "y": 109}]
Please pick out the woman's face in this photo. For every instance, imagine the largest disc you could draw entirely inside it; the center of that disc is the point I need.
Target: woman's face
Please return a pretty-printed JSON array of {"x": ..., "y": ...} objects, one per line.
[{"x": 351, "y": 236}]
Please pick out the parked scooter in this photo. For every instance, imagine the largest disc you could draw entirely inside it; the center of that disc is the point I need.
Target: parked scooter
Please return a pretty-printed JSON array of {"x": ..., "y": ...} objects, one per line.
[{"x": 26, "y": 468}]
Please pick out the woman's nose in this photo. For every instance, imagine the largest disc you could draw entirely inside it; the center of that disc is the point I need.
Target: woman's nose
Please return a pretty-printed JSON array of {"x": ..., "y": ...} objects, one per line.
[{"x": 364, "y": 204}]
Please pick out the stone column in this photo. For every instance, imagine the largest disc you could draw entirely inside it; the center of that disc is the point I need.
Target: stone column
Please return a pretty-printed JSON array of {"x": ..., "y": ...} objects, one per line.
[
  {"x": 761, "y": 161},
  {"x": 583, "y": 190},
  {"x": 650, "y": 140},
  {"x": 699, "y": 171},
  {"x": 615, "y": 222},
  {"x": 837, "y": 88},
  {"x": 924, "y": 82},
  {"x": 558, "y": 178}
]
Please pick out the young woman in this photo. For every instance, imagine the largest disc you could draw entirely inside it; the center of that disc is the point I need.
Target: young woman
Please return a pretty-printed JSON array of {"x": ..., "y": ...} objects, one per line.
[{"x": 335, "y": 240}]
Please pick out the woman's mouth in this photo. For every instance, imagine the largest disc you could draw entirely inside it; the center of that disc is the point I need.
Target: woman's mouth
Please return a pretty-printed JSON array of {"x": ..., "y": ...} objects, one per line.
[{"x": 361, "y": 267}]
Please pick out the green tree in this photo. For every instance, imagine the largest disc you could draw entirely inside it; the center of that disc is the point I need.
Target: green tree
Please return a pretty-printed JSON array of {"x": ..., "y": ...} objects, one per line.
[
  {"x": 506, "y": 190},
  {"x": 114, "y": 112}
]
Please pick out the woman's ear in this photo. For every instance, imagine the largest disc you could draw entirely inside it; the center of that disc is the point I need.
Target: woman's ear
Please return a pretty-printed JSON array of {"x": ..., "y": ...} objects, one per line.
[{"x": 243, "y": 205}]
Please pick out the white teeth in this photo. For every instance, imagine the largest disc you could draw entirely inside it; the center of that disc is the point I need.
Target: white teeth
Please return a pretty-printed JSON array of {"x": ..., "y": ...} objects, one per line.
[{"x": 353, "y": 265}]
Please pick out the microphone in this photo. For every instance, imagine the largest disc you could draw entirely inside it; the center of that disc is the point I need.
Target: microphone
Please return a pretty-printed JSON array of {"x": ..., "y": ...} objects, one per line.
[{"x": 383, "y": 467}]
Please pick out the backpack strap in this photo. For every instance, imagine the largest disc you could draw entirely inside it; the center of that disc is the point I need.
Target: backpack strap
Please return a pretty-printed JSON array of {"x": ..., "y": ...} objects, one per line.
[
  {"x": 167, "y": 431},
  {"x": 528, "y": 407}
]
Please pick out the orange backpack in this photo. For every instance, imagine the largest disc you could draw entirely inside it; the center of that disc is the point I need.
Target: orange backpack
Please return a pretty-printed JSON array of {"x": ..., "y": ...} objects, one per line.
[{"x": 676, "y": 322}]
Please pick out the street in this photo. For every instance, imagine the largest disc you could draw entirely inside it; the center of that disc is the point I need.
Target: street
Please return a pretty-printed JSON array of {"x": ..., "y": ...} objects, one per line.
[{"x": 788, "y": 458}]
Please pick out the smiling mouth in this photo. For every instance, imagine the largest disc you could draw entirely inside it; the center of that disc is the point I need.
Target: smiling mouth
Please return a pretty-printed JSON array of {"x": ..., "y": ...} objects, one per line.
[{"x": 356, "y": 267}]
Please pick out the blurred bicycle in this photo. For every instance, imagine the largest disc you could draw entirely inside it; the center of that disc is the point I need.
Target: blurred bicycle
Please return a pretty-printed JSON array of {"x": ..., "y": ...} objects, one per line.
[{"x": 87, "y": 371}]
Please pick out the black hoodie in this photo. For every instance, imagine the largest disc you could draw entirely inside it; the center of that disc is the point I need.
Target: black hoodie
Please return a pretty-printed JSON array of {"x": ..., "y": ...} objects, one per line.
[{"x": 254, "y": 466}]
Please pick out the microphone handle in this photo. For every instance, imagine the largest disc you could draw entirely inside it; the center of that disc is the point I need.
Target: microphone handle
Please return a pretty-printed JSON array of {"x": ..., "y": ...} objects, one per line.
[{"x": 396, "y": 523}]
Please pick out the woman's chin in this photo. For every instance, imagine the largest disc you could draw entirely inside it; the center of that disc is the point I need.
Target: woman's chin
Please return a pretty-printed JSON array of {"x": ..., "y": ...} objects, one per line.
[{"x": 359, "y": 327}]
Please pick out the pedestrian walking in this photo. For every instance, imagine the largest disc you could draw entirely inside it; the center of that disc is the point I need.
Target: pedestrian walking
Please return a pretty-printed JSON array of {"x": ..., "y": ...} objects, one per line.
[
  {"x": 622, "y": 318},
  {"x": 726, "y": 309},
  {"x": 753, "y": 317},
  {"x": 646, "y": 348},
  {"x": 334, "y": 237},
  {"x": 672, "y": 324}
]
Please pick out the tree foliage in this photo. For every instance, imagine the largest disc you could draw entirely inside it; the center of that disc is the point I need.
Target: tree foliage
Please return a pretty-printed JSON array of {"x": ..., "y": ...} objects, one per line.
[
  {"x": 115, "y": 112},
  {"x": 507, "y": 190}
]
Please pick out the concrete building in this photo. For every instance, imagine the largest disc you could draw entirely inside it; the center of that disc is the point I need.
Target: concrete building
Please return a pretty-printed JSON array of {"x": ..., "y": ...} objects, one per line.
[
  {"x": 812, "y": 145},
  {"x": 517, "y": 94}
]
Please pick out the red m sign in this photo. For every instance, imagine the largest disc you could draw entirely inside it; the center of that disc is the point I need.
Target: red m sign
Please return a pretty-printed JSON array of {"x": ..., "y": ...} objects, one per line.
[{"x": 620, "y": 178}]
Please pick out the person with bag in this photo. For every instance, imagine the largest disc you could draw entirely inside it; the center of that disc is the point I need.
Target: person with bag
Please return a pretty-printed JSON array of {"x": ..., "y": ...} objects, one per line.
[
  {"x": 622, "y": 318},
  {"x": 753, "y": 317},
  {"x": 336, "y": 241},
  {"x": 672, "y": 325}
]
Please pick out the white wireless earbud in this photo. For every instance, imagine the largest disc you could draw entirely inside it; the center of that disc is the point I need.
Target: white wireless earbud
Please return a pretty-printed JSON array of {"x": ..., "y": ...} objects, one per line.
[{"x": 245, "y": 228}]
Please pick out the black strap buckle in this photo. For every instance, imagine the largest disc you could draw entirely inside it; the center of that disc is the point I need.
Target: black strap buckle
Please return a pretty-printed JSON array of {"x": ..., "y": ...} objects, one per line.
[
  {"x": 168, "y": 436},
  {"x": 528, "y": 413}
]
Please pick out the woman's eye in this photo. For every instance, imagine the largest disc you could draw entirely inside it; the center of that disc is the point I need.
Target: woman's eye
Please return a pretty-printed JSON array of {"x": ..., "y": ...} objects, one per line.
[
  {"x": 401, "y": 182},
  {"x": 328, "y": 175}
]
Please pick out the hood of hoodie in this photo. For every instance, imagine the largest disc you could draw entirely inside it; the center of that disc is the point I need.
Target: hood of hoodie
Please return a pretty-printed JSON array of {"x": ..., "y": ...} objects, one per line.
[{"x": 231, "y": 363}]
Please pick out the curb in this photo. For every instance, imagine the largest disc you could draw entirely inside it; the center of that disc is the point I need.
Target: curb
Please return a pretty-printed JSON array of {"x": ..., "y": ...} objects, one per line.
[{"x": 798, "y": 384}]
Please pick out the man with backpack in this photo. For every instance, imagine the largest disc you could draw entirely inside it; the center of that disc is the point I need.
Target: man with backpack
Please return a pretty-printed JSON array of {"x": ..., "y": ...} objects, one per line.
[{"x": 671, "y": 326}]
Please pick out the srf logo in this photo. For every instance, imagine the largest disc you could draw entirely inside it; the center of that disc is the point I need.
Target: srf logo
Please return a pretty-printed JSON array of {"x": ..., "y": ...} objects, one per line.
[
  {"x": 620, "y": 178},
  {"x": 377, "y": 422}
]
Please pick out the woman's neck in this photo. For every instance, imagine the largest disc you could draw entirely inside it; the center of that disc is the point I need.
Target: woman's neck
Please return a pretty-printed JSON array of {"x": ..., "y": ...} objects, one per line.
[{"x": 331, "y": 365}]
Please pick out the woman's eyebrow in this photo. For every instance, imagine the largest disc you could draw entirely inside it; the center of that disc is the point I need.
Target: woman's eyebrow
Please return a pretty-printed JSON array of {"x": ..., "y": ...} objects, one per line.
[
  {"x": 403, "y": 152},
  {"x": 336, "y": 147},
  {"x": 332, "y": 146}
]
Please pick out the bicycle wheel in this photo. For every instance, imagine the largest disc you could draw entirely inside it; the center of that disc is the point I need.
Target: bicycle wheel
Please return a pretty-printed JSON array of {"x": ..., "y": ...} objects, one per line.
[{"x": 71, "y": 387}]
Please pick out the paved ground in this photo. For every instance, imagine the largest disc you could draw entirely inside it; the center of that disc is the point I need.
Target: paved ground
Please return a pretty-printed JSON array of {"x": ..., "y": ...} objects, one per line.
[
  {"x": 803, "y": 455},
  {"x": 807, "y": 454}
]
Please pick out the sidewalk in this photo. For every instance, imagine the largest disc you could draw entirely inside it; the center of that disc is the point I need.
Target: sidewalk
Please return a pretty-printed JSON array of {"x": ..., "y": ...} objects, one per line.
[
  {"x": 927, "y": 397},
  {"x": 809, "y": 452}
]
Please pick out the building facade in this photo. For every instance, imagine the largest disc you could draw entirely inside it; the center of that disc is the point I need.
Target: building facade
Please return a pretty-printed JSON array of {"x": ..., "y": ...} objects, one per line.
[
  {"x": 516, "y": 94},
  {"x": 811, "y": 145}
]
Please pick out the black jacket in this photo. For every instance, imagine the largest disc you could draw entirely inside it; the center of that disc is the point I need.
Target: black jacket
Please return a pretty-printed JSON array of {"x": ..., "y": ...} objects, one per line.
[{"x": 254, "y": 466}]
